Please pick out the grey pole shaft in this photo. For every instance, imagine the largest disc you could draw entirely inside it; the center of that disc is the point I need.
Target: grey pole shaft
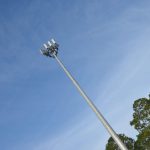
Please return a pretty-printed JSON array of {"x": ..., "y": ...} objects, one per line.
[{"x": 93, "y": 107}]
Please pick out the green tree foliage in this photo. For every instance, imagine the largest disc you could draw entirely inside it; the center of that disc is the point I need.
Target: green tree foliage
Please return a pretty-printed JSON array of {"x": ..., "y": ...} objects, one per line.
[
  {"x": 143, "y": 140},
  {"x": 141, "y": 115},
  {"x": 129, "y": 142},
  {"x": 141, "y": 122}
]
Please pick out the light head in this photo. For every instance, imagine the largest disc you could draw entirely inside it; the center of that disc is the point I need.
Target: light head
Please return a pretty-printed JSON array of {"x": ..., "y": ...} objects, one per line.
[{"x": 50, "y": 48}]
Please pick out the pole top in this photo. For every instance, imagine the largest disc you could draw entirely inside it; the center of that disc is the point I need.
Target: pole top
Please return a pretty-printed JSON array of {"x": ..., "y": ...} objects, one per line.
[{"x": 50, "y": 48}]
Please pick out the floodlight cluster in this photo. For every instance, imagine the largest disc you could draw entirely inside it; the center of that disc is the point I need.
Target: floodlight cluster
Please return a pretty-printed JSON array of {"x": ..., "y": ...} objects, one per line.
[{"x": 50, "y": 49}]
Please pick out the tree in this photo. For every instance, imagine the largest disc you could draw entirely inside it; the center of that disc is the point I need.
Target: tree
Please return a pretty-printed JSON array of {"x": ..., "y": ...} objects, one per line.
[
  {"x": 141, "y": 122},
  {"x": 143, "y": 140},
  {"x": 141, "y": 115},
  {"x": 129, "y": 142}
]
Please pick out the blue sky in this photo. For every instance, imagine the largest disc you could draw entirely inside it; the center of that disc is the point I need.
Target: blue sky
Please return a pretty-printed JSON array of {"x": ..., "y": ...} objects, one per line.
[{"x": 105, "y": 45}]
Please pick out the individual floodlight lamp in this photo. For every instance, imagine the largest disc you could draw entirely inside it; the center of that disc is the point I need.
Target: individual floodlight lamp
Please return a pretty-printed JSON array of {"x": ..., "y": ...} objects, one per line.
[
  {"x": 51, "y": 50},
  {"x": 49, "y": 43}
]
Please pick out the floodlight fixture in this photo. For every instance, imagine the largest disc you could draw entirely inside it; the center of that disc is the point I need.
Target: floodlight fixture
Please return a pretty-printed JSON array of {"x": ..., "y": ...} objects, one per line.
[
  {"x": 45, "y": 46},
  {"x": 49, "y": 43},
  {"x": 51, "y": 50},
  {"x": 53, "y": 41}
]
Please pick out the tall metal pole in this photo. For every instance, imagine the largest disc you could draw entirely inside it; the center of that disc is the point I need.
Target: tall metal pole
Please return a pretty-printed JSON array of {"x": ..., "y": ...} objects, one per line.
[
  {"x": 51, "y": 50},
  {"x": 92, "y": 106}
]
